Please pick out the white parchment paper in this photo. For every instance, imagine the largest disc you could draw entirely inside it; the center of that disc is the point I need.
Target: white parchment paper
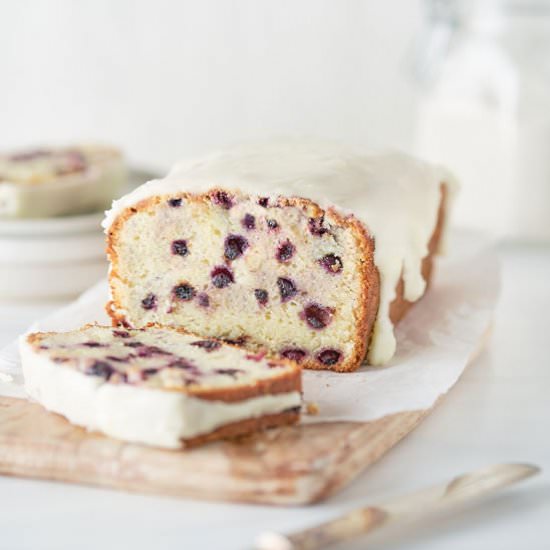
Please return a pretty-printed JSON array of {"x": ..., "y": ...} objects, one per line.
[{"x": 435, "y": 341}]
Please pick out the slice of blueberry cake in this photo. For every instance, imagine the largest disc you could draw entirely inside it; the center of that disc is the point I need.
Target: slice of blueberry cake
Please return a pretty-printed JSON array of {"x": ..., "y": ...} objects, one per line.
[
  {"x": 311, "y": 251},
  {"x": 55, "y": 181},
  {"x": 158, "y": 386}
]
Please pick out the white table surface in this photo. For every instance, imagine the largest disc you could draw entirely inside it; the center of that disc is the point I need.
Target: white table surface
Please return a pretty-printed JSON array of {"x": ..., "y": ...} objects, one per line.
[{"x": 498, "y": 411}]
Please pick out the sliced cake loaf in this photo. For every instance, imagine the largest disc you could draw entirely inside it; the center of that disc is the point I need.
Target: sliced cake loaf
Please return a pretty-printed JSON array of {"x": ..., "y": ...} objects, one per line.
[
  {"x": 158, "y": 386},
  {"x": 310, "y": 250}
]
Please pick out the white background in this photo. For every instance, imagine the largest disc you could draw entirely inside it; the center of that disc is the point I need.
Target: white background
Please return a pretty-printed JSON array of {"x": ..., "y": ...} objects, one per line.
[{"x": 166, "y": 79}]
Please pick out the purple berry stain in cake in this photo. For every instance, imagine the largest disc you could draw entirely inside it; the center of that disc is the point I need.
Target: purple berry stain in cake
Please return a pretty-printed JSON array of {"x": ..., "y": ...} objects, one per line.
[
  {"x": 174, "y": 203},
  {"x": 256, "y": 356},
  {"x": 121, "y": 333},
  {"x": 285, "y": 251},
  {"x": 221, "y": 198},
  {"x": 203, "y": 299},
  {"x": 262, "y": 296},
  {"x": 221, "y": 277},
  {"x": 234, "y": 247},
  {"x": 329, "y": 357},
  {"x": 229, "y": 372},
  {"x": 263, "y": 201},
  {"x": 100, "y": 368},
  {"x": 74, "y": 162},
  {"x": 183, "y": 292},
  {"x": 118, "y": 359},
  {"x": 316, "y": 226},
  {"x": 294, "y": 354},
  {"x": 187, "y": 368},
  {"x": 207, "y": 345},
  {"x": 92, "y": 344},
  {"x": 150, "y": 351},
  {"x": 179, "y": 248},
  {"x": 30, "y": 155},
  {"x": 133, "y": 344},
  {"x": 249, "y": 222},
  {"x": 287, "y": 288},
  {"x": 316, "y": 316},
  {"x": 149, "y": 302},
  {"x": 147, "y": 373},
  {"x": 272, "y": 224},
  {"x": 181, "y": 363},
  {"x": 332, "y": 263}
]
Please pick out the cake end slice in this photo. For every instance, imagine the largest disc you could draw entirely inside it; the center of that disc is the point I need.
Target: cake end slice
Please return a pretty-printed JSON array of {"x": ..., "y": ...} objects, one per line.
[{"x": 157, "y": 386}]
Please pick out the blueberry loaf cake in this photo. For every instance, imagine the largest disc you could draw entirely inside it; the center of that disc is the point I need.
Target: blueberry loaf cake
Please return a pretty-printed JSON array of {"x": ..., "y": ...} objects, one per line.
[
  {"x": 158, "y": 386},
  {"x": 313, "y": 251},
  {"x": 50, "y": 182}
]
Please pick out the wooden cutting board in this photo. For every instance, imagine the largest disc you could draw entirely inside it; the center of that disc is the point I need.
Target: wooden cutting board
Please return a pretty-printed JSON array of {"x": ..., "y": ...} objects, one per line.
[{"x": 289, "y": 466}]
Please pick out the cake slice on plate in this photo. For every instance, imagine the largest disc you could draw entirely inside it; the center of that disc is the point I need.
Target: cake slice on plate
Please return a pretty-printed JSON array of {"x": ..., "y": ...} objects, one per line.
[
  {"x": 311, "y": 250},
  {"x": 45, "y": 182},
  {"x": 158, "y": 386}
]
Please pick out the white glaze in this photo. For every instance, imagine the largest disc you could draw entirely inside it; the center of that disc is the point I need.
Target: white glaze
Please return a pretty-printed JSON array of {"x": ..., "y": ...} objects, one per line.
[
  {"x": 137, "y": 414},
  {"x": 394, "y": 195}
]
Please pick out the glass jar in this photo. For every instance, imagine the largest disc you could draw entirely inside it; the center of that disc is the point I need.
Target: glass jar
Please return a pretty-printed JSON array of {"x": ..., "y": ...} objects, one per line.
[{"x": 484, "y": 110}]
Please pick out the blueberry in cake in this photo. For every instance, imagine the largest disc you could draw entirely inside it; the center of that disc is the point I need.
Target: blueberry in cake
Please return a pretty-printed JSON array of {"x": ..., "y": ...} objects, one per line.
[
  {"x": 311, "y": 250},
  {"x": 158, "y": 386},
  {"x": 55, "y": 181}
]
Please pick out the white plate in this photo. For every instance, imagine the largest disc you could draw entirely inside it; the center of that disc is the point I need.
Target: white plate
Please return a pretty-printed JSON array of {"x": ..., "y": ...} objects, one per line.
[
  {"x": 51, "y": 248},
  {"x": 49, "y": 281},
  {"x": 52, "y": 226}
]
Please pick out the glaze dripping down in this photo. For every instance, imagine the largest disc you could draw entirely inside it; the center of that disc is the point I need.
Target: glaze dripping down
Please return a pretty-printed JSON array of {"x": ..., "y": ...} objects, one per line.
[{"x": 397, "y": 198}]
